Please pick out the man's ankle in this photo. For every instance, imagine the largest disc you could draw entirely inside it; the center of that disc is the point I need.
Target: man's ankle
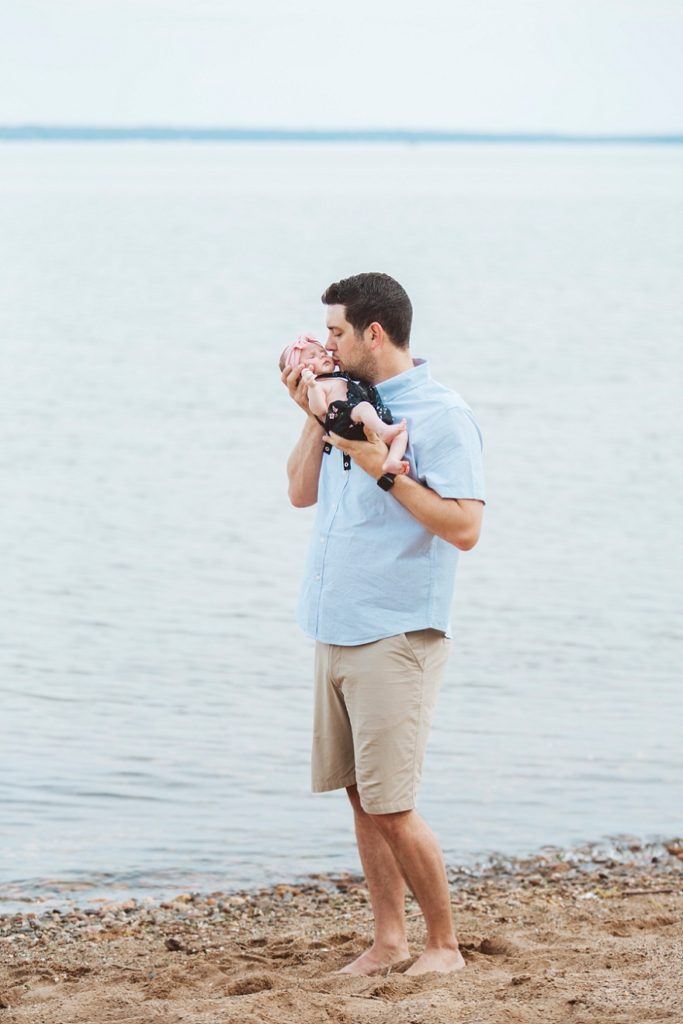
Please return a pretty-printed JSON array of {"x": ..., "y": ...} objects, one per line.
[
  {"x": 393, "y": 944},
  {"x": 450, "y": 943}
]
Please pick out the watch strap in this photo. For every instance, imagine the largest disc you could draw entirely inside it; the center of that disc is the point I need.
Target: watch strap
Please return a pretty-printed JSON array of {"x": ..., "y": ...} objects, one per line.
[{"x": 386, "y": 481}]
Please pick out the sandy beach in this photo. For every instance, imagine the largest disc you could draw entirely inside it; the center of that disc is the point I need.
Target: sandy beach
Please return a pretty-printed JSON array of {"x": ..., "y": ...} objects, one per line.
[{"x": 551, "y": 938}]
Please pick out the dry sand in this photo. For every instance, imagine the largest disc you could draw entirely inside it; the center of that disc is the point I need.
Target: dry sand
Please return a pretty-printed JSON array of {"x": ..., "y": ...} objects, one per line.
[{"x": 548, "y": 939}]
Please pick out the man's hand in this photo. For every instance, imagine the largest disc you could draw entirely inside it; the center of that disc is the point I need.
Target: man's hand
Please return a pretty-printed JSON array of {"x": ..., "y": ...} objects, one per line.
[
  {"x": 370, "y": 455},
  {"x": 291, "y": 378}
]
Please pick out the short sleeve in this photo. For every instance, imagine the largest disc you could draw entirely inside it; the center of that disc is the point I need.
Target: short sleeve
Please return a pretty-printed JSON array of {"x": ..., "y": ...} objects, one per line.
[{"x": 449, "y": 459}]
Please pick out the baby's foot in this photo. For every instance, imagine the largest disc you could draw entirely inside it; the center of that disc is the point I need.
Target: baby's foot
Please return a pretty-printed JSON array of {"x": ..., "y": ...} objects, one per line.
[{"x": 395, "y": 466}]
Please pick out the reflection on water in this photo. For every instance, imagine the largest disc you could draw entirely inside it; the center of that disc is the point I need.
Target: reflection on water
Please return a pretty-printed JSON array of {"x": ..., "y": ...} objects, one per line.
[{"x": 156, "y": 694}]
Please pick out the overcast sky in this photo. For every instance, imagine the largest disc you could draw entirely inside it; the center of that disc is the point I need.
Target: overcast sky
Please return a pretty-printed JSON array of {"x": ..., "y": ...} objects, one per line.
[{"x": 527, "y": 65}]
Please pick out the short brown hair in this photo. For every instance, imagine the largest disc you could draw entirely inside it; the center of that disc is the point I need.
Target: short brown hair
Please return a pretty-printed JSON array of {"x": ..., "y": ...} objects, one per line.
[{"x": 374, "y": 297}]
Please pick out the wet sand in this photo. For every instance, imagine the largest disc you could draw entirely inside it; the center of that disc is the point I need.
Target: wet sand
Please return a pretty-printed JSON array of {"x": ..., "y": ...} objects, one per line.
[{"x": 554, "y": 938}]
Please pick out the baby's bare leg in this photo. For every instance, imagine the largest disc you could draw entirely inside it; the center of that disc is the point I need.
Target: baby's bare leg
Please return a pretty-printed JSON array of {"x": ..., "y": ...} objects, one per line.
[
  {"x": 366, "y": 414},
  {"x": 394, "y": 461},
  {"x": 393, "y": 434}
]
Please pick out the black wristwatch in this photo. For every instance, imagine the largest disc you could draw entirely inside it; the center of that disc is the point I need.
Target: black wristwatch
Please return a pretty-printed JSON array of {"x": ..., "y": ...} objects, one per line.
[{"x": 386, "y": 481}]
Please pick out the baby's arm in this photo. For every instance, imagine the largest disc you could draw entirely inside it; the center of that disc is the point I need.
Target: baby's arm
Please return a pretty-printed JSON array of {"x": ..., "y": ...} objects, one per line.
[{"x": 318, "y": 398}]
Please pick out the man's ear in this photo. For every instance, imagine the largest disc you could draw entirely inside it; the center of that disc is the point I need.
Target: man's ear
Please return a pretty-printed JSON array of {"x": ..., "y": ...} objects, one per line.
[{"x": 376, "y": 334}]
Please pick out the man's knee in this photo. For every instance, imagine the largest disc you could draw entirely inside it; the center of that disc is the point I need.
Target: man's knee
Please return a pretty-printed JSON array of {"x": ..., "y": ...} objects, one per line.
[{"x": 394, "y": 823}]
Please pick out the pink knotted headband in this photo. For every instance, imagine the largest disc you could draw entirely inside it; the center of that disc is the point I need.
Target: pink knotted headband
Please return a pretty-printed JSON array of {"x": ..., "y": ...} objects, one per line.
[{"x": 292, "y": 354}]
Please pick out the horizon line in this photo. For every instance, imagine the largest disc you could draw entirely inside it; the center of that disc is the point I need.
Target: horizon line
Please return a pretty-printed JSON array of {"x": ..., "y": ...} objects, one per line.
[{"x": 164, "y": 133}]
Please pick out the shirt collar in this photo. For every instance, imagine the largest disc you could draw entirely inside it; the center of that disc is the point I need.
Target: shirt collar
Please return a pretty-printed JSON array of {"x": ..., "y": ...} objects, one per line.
[{"x": 396, "y": 386}]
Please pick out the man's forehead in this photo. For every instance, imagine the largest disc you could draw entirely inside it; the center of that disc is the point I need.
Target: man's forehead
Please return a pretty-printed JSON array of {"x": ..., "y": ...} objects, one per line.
[{"x": 336, "y": 316}]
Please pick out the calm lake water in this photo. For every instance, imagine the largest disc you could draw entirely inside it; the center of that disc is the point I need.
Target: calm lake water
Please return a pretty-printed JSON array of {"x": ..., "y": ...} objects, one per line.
[{"x": 156, "y": 692}]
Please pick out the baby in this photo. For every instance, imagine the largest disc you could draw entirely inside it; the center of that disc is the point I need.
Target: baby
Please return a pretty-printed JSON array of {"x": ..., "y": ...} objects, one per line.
[{"x": 346, "y": 405}]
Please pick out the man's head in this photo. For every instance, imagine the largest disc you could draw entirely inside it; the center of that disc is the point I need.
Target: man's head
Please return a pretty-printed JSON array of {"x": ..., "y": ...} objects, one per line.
[
  {"x": 309, "y": 352},
  {"x": 368, "y": 320}
]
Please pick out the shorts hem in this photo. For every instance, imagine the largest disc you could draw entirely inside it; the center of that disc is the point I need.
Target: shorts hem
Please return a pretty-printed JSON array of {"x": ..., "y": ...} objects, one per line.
[
  {"x": 329, "y": 784},
  {"x": 392, "y": 808}
]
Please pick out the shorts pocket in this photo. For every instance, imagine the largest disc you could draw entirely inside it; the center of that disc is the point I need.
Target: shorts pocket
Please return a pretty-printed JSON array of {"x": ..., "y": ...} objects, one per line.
[{"x": 414, "y": 643}]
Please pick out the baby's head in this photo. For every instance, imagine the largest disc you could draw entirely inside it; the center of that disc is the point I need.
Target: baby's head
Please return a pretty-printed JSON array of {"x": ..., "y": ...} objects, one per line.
[{"x": 307, "y": 351}]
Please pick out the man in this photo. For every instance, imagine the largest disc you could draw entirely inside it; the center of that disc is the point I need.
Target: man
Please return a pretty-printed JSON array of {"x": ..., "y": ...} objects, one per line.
[{"x": 376, "y": 598}]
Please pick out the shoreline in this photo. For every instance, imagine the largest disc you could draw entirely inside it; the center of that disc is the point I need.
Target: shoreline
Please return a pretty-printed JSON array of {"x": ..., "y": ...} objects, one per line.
[
  {"x": 546, "y": 938},
  {"x": 82, "y": 891}
]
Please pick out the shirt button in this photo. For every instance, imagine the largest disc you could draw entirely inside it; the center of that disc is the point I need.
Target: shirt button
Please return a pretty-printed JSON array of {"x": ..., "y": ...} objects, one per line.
[{"x": 318, "y": 577}]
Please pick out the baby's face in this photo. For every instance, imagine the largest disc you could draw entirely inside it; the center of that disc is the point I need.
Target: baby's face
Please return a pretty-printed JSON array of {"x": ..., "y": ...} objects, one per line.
[{"x": 316, "y": 358}]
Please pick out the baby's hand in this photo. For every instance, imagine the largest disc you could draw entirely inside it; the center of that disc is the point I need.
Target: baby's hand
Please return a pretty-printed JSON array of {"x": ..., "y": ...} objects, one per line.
[{"x": 307, "y": 376}]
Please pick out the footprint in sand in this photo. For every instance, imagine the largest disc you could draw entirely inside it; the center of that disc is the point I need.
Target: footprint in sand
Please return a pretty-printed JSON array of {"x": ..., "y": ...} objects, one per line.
[
  {"x": 248, "y": 984},
  {"x": 498, "y": 946},
  {"x": 397, "y": 987}
]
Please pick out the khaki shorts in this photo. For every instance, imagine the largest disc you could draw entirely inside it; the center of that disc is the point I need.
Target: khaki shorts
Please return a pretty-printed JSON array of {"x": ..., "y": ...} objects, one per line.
[{"x": 372, "y": 712}]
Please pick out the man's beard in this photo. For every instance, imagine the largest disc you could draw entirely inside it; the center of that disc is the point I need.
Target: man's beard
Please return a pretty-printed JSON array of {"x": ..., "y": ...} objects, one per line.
[{"x": 362, "y": 366}]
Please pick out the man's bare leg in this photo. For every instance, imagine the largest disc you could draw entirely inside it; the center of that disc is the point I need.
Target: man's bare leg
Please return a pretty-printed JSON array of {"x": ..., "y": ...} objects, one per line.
[
  {"x": 387, "y": 895},
  {"x": 418, "y": 854}
]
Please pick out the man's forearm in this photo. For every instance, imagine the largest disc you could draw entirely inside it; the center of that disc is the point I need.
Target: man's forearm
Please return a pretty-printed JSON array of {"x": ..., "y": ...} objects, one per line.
[
  {"x": 455, "y": 520},
  {"x": 303, "y": 465}
]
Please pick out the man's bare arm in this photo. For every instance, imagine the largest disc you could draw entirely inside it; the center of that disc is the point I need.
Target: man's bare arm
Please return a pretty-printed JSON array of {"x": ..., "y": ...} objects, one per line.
[
  {"x": 303, "y": 465},
  {"x": 455, "y": 520}
]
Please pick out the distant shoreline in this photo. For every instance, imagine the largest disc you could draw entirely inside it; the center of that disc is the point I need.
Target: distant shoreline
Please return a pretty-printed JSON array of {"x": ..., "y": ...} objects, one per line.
[{"x": 152, "y": 133}]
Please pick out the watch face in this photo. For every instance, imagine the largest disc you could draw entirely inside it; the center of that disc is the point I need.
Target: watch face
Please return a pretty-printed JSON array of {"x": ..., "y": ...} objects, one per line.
[{"x": 386, "y": 481}]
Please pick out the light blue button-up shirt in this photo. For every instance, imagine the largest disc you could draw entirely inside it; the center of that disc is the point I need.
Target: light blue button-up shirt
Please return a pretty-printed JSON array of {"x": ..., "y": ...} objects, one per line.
[{"x": 373, "y": 570}]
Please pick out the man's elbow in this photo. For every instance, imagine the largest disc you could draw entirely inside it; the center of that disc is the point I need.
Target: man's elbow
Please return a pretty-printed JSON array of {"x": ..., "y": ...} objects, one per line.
[
  {"x": 465, "y": 543},
  {"x": 466, "y": 532},
  {"x": 465, "y": 538},
  {"x": 301, "y": 500}
]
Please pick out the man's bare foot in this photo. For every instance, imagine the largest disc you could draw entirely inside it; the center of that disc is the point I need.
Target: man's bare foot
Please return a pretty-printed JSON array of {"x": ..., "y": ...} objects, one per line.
[
  {"x": 395, "y": 466},
  {"x": 443, "y": 960},
  {"x": 372, "y": 961}
]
